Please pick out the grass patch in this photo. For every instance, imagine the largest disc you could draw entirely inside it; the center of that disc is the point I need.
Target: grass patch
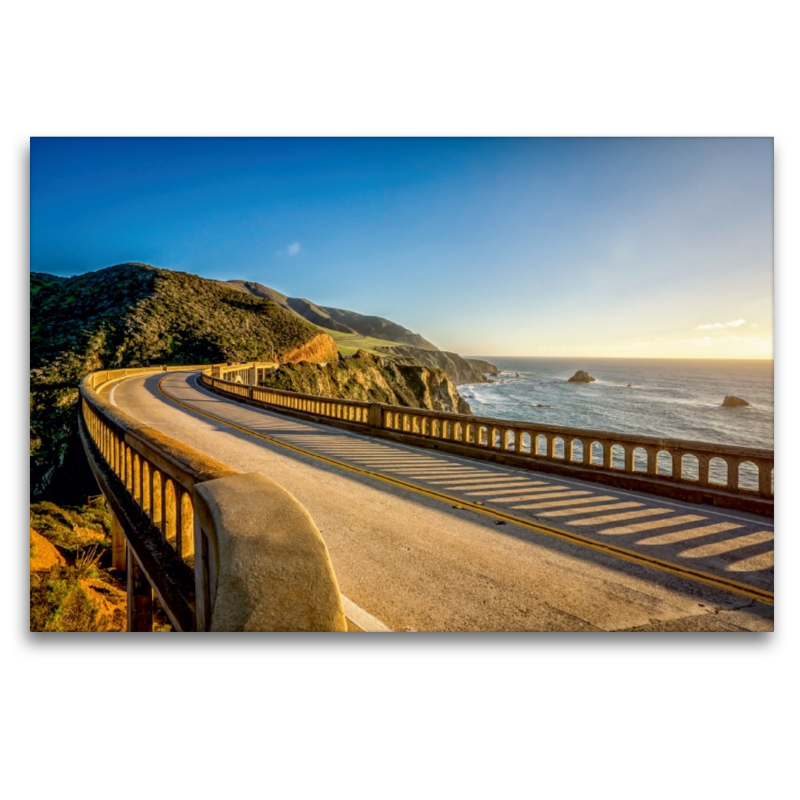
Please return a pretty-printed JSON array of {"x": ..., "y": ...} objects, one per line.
[
  {"x": 60, "y": 603},
  {"x": 80, "y": 595},
  {"x": 350, "y": 343},
  {"x": 74, "y": 530}
]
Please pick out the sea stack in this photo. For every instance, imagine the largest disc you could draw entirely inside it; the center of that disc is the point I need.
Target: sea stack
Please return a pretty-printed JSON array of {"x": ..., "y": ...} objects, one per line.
[
  {"x": 734, "y": 402},
  {"x": 581, "y": 377}
]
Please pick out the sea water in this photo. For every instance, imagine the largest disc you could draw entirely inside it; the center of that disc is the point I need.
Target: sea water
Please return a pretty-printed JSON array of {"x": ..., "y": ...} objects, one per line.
[{"x": 670, "y": 398}]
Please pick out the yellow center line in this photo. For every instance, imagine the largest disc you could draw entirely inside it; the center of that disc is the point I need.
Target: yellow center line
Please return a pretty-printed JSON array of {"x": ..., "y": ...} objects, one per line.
[{"x": 741, "y": 589}]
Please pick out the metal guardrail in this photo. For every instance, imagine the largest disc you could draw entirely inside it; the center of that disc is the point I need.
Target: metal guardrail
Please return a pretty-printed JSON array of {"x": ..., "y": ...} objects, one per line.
[
  {"x": 202, "y": 535},
  {"x": 735, "y": 477}
]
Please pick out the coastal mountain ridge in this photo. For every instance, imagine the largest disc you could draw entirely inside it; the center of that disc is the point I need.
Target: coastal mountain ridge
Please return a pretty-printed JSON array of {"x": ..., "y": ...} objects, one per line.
[
  {"x": 399, "y": 342},
  {"x": 337, "y": 319}
]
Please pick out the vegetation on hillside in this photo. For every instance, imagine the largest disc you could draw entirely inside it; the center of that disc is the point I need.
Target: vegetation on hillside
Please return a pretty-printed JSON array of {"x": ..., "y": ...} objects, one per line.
[
  {"x": 134, "y": 315},
  {"x": 71, "y": 587},
  {"x": 350, "y": 343}
]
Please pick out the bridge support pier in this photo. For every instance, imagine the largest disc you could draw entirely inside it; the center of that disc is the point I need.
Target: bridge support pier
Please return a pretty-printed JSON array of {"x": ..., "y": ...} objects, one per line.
[{"x": 140, "y": 598}]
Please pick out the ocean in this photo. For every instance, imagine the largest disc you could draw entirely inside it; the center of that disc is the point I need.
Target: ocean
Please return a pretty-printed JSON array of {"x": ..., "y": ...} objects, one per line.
[{"x": 678, "y": 399}]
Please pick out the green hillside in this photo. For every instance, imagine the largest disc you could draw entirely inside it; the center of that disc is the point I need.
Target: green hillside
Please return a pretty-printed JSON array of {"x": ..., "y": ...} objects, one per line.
[{"x": 134, "y": 315}]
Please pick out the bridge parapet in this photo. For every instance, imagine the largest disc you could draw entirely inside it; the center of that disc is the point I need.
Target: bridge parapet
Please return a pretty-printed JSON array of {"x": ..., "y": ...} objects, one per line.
[
  {"x": 250, "y": 372},
  {"x": 221, "y": 549},
  {"x": 724, "y": 475}
]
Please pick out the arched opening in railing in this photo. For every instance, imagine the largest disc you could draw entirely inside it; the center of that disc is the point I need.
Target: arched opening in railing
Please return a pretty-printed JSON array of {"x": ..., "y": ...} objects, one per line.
[
  {"x": 541, "y": 445},
  {"x": 558, "y": 447},
  {"x": 639, "y": 459},
  {"x": 137, "y": 478},
  {"x": 596, "y": 453},
  {"x": 576, "y": 450},
  {"x": 690, "y": 467},
  {"x": 664, "y": 463},
  {"x": 748, "y": 475},
  {"x": 186, "y": 548},
  {"x": 146, "y": 487},
  {"x": 128, "y": 468},
  {"x": 170, "y": 512},
  {"x": 526, "y": 442},
  {"x": 158, "y": 499},
  {"x": 617, "y": 456},
  {"x": 718, "y": 471}
]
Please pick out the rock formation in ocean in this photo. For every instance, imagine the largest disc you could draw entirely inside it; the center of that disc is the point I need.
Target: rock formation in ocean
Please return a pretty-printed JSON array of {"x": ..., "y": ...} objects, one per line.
[
  {"x": 581, "y": 377},
  {"x": 734, "y": 402}
]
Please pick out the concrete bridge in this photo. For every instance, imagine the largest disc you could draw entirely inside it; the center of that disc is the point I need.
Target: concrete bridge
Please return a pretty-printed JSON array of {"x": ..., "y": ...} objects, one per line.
[{"x": 427, "y": 521}]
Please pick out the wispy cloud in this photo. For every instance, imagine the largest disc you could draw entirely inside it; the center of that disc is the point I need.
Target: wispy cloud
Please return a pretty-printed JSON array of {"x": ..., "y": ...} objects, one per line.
[
  {"x": 722, "y": 340},
  {"x": 733, "y": 324},
  {"x": 292, "y": 250}
]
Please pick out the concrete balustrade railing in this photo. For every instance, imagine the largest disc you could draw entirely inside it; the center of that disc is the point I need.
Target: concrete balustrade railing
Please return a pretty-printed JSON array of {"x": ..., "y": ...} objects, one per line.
[
  {"x": 250, "y": 372},
  {"x": 734, "y": 477},
  {"x": 222, "y": 550}
]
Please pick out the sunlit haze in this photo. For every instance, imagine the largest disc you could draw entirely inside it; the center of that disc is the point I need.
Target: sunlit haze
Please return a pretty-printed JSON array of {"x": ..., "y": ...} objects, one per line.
[{"x": 519, "y": 247}]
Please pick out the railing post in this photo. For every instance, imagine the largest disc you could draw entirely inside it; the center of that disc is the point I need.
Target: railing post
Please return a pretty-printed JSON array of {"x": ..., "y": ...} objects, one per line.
[
  {"x": 630, "y": 451},
  {"x": 652, "y": 460},
  {"x": 733, "y": 473},
  {"x": 703, "y": 463},
  {"x": 764, "y": 479},
  {"x": 140, "y": 598},
  {"x": 607, "y": 454}
]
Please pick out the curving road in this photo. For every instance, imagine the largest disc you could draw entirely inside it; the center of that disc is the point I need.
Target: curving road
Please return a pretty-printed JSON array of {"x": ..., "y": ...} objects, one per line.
[{"x": 424, "y": 541}]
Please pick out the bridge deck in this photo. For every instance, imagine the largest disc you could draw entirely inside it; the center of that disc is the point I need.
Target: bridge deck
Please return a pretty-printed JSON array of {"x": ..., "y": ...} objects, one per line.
[{"x": 427, "y": 541}]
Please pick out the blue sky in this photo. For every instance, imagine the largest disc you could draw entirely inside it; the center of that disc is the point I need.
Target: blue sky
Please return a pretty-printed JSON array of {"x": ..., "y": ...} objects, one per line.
[{"x": 584, "y": 247}]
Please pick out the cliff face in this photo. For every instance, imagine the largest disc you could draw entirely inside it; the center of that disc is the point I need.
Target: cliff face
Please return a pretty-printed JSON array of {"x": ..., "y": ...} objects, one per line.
[
  {"x": 484, "y": 367},
  {"x": 458, "y": 369},
  {"x": 372, "y": 379},
  {"x": 320, "y": 348}
]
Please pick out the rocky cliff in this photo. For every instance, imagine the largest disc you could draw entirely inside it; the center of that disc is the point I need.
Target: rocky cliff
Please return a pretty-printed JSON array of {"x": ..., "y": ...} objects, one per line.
[
  {"x": 458, "y": 369},
  {"x": 484, "y": 367},
  {"x": 373, "y": 379}
]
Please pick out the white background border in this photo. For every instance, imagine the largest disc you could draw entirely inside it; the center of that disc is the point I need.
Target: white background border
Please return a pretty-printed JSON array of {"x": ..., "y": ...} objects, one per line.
[{"x": 436, "y": 716}]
